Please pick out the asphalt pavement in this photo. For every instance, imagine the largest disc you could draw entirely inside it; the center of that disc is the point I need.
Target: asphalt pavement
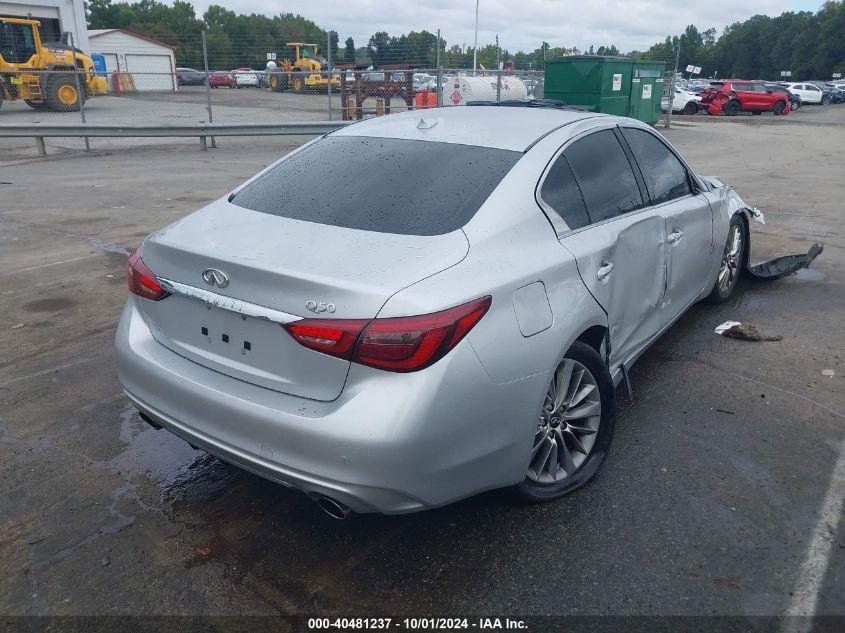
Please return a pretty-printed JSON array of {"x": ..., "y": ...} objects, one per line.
[{"x": 721, "y": 496}]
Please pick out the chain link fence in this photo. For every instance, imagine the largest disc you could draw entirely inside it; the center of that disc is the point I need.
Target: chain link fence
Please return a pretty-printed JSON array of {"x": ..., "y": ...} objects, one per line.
[{"x": 297, "y": 83}]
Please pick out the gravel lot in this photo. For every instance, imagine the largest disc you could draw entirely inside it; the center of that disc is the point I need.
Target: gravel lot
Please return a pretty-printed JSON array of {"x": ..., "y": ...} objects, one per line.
[{"x": 716, "y": 498}]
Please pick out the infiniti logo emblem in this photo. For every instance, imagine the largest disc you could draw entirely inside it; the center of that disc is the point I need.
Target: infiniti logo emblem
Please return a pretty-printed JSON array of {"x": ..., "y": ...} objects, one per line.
[{"x": 214, "y": 277}]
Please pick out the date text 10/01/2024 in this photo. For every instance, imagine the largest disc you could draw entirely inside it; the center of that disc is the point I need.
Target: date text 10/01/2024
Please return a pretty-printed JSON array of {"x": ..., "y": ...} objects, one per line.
[{"x": 416, "y": 624}]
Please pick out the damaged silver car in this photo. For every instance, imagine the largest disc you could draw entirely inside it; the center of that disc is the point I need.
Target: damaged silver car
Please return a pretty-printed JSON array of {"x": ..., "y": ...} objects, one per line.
[{"x": 449, "y": 311}]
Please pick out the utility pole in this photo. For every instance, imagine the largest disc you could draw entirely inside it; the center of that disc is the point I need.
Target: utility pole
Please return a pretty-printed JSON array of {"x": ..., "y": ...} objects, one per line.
[{"x": 475, "y": 48}]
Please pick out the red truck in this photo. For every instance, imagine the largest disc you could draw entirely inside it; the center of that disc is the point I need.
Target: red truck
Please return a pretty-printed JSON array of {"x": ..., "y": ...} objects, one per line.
[{"x": 732, "y": 96}]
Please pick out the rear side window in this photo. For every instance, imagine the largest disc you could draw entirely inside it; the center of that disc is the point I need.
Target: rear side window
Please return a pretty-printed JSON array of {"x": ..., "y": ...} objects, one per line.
[
  {"x": 665, "y": 176},
  {"x": 381, "y": 184},
  {"x": 604, "y": 175},
  {"x": 561, "y": 193}
]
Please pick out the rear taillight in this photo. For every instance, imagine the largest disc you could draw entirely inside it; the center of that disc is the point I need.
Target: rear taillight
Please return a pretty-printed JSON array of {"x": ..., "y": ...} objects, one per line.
[
  {"x": 330, "y": 336},
  {"x": 400, "y": 344},
  {"x": 142, "y": 281}
]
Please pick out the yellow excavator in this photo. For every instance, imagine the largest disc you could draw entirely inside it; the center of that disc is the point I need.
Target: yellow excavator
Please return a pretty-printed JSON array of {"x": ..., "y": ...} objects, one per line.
[
  {"x": 48, "y": 76},
  {"x": 307, "y": 72}
]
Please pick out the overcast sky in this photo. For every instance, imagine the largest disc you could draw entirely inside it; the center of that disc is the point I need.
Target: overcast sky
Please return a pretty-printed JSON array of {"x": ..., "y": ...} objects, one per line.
[{"x": 522, "y": 24}]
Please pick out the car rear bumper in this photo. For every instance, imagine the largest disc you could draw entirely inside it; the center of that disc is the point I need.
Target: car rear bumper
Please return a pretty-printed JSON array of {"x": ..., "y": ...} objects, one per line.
[{"x": 390, "y": 443}]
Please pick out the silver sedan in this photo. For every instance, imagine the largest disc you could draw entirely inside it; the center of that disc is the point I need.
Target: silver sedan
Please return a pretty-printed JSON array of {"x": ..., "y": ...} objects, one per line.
[{"x": 423, "y": 306}]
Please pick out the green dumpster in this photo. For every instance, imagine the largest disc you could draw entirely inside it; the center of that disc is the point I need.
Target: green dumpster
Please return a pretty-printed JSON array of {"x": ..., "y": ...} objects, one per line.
[{"x": 613, "y": 85}]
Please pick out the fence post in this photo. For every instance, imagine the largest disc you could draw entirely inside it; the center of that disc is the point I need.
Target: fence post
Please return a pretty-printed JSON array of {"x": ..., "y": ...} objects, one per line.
[
  {"x": 207, "y": 90},
  {"x": 672, "y": 87},
  {"x": 439, "y": 74},
  {"x": 498, "y": 70},
  {"x": 329, "y": 63},
  {"x": 79, "y": 97}
]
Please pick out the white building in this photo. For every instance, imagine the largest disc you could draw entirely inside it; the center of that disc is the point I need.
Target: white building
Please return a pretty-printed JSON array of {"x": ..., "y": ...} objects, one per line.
[
  {"x": 56, "y": 16},
  {"x": 151, "y": 63}
]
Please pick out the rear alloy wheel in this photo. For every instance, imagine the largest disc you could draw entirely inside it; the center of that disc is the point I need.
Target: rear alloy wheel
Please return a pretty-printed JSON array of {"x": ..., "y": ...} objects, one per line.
[
  {"x": 691, "y": 108},
  {"x": 733, "y": 258},
  {"x": 574, "y": 429},
  {"x": 825, "y": 100},
  {"x": 733, "y": 108},
  {"x": 779, "y": 108},
  {"x": 794, "y": 105}
]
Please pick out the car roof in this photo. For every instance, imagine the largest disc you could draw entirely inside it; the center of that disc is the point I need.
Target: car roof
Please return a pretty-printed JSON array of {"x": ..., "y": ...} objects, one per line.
[{"x": 498, "y": 127}]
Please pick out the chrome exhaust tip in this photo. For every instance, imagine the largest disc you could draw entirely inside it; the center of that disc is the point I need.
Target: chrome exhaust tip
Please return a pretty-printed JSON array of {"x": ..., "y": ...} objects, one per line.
[{"x": 335, "y": 509}]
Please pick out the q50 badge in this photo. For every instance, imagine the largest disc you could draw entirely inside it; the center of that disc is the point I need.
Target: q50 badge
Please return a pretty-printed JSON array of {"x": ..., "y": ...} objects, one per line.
[{"x": 320, "y": 306}]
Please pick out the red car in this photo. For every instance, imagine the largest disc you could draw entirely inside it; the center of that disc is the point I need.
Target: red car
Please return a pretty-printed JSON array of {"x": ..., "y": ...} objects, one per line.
[
  {"x": 732, "y": 96},
  {"x": 221, "y": 79}
]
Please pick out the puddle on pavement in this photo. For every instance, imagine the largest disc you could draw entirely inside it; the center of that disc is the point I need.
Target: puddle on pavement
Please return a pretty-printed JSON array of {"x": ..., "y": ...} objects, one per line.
[{"x": 174, "y": 468}]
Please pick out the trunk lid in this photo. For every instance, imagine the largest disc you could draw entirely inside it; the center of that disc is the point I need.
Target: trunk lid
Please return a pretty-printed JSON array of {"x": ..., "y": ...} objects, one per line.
[{"x": 292, "y": 266}]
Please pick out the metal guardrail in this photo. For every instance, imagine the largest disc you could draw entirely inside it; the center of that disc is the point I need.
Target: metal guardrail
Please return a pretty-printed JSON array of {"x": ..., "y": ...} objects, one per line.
[{"x": 203, "y": 131}]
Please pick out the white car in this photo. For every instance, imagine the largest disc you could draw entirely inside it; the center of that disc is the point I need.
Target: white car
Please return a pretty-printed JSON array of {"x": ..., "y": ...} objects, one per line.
[
  {"x": 245, "y": 78},
  {"x": 809, "y": 93},
  {"x": 684, "y": 101},
  {"x": 423, "y": 80}
]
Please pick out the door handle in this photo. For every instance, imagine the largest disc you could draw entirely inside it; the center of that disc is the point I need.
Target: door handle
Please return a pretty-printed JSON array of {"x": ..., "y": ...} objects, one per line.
[
  {"x": 605, "y": 270},
  {"x": 674, "y": 237}
]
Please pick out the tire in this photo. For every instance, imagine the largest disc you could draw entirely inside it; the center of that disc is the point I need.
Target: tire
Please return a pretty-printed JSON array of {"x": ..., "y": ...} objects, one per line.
[
  {"x": 60, "y": 92},
  {"x": 778, "y": 108},
  {"x": 690, "y": 108},
  {"x": 298, "y": 83},
  {"x": 547, "y": 475},
  {"x": 278, "y": 81},
  {"x": 733, "y": 108},
  {"x": 733, "y": 261},
  {"x": 825, "y": 100},
  {"x": 794, "y": 105}
]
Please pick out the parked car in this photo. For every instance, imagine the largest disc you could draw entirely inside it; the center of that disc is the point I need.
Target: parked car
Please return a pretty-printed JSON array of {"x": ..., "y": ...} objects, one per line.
[
  {"x": 835, "y": 94},
  {"x": 733, "y": 96},
  {"x": 190, "y": 77},
  {"x": 794, "y": 99},
  {"x": 809, "y": 93},
  {"x": 245, "y": 78},
  {"x": 432, "y": 346},
  {"x": 221, "y": 79},
  {"x": 683, "y": 101},
  {"x": 421, "y": 81},
  {"x": 380, "y": 84}
]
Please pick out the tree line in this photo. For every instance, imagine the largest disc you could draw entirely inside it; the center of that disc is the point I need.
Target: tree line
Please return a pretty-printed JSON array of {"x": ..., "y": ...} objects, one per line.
[{"x": 808, "y": 44}]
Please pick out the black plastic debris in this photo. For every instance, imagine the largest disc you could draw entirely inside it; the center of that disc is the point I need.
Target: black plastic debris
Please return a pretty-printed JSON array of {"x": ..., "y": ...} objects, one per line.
[{"x": 782, "y": 266}]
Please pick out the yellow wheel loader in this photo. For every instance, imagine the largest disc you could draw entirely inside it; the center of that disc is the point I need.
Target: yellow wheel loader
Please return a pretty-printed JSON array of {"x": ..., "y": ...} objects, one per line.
[
  {"x": 47, "y": 76},
  {"x": 308, "y": 72}
]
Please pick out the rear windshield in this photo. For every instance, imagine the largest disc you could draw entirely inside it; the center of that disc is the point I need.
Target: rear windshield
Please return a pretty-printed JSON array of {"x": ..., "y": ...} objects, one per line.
[{"x": 381, "y": 184}]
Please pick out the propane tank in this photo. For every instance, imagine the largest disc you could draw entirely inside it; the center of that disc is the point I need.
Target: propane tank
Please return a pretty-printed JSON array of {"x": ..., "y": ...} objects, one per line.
[{"x": 459, "y": 89}]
